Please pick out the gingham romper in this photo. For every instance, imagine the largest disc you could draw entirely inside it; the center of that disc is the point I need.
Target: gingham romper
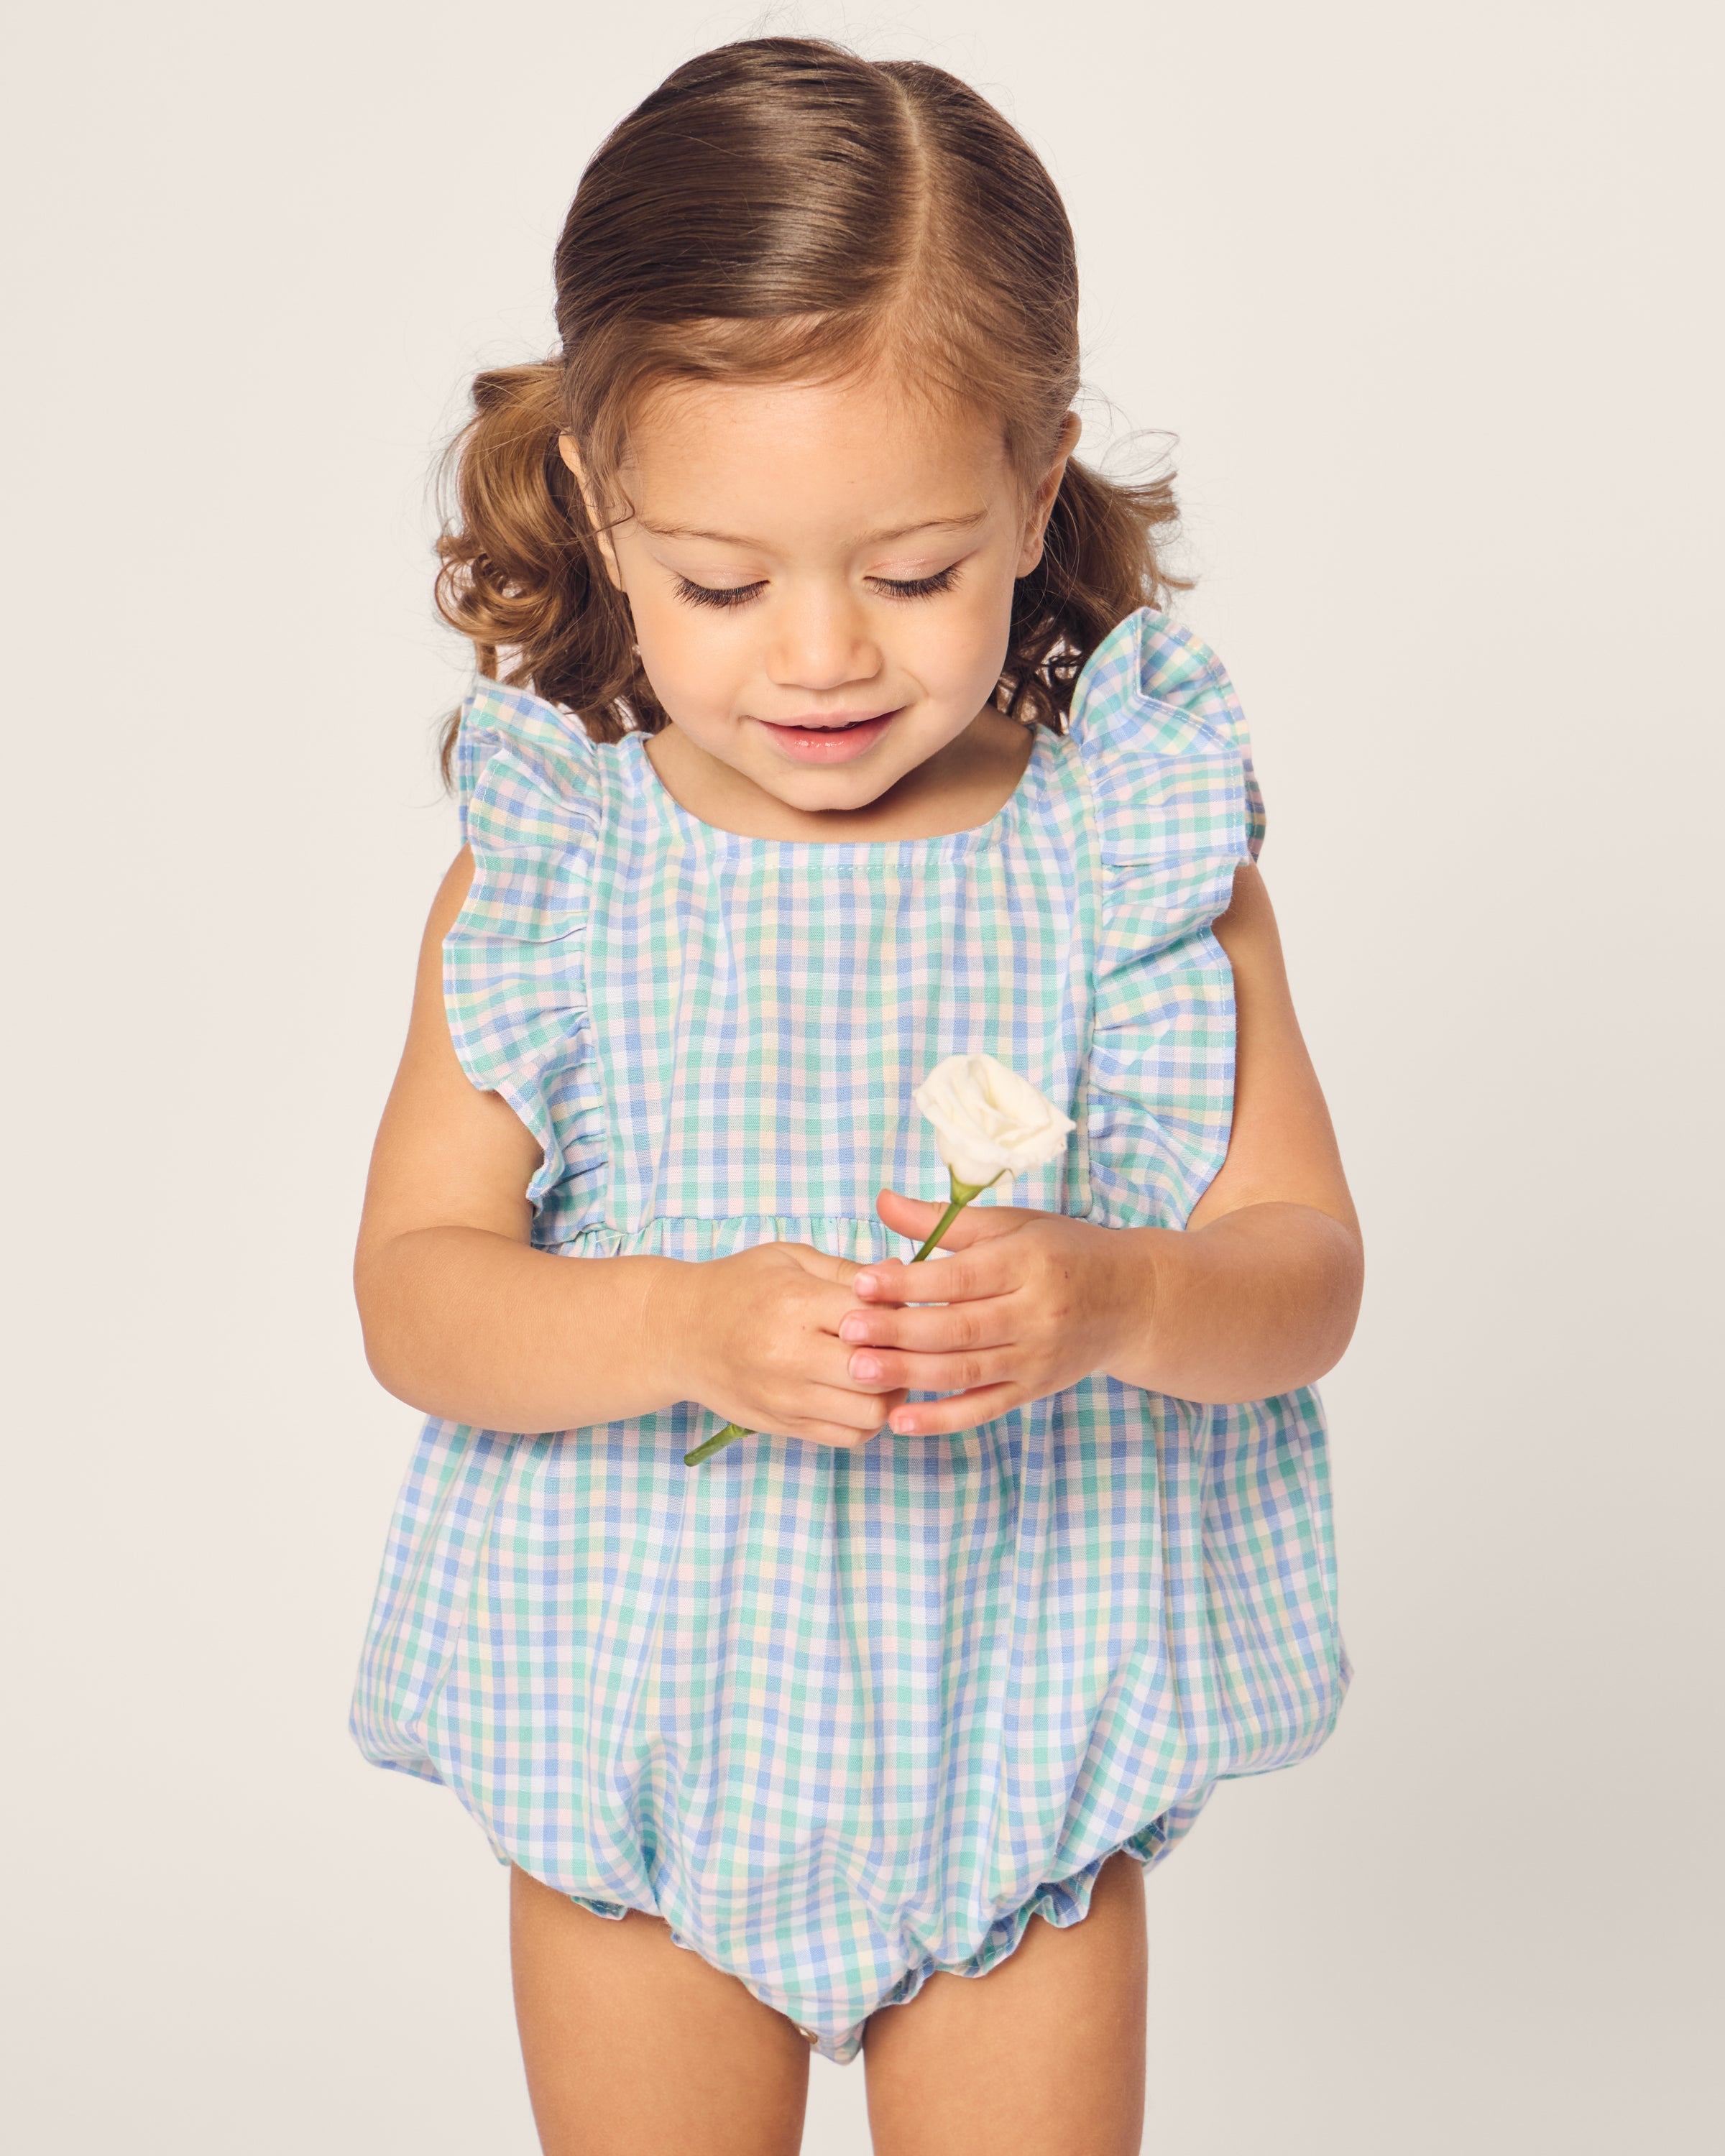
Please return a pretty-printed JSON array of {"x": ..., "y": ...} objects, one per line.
[{"x": 845, "y": 1718}]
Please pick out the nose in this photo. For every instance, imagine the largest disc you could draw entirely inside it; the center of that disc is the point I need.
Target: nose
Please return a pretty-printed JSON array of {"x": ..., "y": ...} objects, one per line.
[{"x": 820, "y": 642}]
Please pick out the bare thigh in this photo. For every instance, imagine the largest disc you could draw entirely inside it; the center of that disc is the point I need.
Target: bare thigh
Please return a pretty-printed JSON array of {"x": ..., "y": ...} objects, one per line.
[
  {"x": 635, "y": 2047},
  {"x": 1043, "y": 2057}
]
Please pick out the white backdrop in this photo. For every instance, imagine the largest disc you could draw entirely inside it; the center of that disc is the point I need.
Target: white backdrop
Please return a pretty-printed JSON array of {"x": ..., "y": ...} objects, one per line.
[{"x": 1425, "y": 294}]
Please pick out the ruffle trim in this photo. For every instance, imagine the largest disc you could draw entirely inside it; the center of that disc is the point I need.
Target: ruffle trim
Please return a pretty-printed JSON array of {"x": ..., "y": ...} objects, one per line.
[
  {"x": 530, "y": 783},
  {"x": 1165, "y": 749},
  {"x": 1060, "y": 1903}
]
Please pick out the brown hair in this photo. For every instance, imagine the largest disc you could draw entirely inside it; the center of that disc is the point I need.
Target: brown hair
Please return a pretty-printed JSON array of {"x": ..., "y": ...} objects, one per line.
[{"x": 781, "y": 209}]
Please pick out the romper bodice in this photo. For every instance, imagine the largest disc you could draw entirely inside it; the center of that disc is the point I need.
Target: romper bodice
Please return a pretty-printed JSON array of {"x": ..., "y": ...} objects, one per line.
[{"x": 708, "y": 1031}]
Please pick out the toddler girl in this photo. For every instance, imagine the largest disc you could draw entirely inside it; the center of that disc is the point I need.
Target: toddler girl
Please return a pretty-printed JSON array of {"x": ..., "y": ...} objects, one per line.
[{"x": 827, "y": 724}]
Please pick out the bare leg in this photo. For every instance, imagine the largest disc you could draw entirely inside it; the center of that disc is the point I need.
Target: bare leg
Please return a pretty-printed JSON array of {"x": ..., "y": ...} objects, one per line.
[
  {"x": 1043, "y": 2057},
  {"x": 635, "y": 2047}
]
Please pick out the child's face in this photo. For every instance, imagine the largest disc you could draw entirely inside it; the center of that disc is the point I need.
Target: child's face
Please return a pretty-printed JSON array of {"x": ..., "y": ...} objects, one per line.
[{"x": 821, "y": 578}]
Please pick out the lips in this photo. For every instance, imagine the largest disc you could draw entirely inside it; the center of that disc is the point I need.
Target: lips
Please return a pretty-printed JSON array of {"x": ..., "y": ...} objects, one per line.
[
  {"x": 827, "y": 738},
  {"x": 822, "y": 722}
]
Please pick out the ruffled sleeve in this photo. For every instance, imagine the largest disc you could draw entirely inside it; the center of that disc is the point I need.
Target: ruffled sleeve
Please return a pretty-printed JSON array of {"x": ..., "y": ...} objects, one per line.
[
  {"x": 1176, "y": 807},
  {"x": 530, "y": 783}
]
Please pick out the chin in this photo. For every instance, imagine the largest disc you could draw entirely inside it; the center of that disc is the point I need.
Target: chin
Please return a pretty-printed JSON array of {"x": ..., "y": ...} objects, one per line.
[{"x": 827, "y": 790}]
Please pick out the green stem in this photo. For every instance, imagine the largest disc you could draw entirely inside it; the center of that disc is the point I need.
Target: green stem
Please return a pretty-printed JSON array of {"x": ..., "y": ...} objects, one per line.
[
  {"x": 728, "y": 1436},
  {"x": 963, "y": 1193}
]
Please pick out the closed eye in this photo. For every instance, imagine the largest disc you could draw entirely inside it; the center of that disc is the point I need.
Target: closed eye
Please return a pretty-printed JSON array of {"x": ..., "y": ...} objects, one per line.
[
  {"x": 722, "y": 595},
  {"x": 917, "y": 588},
  {"x": 895, "y": 587}
]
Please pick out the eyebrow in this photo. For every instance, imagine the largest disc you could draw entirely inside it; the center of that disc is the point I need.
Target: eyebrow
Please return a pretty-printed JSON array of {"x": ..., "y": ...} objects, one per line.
[{"x": 867, "y": 539}]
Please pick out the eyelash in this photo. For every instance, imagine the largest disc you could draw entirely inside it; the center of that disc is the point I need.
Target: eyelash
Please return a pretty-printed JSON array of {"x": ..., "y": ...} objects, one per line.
[{"x": 915, "y": 588}]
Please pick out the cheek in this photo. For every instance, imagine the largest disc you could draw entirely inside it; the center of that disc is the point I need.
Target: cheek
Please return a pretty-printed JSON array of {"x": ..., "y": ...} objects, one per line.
[
  {"x": 963, "y": 643},
  {"x": 693, "y": 665}
]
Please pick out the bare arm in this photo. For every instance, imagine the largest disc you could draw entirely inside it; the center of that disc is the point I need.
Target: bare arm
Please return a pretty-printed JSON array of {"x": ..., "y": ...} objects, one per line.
[
  {"x": 463, "y": 1319},
  {"x": 1257, "y": 1294},
  {"x": 1260, "y": 1291}
]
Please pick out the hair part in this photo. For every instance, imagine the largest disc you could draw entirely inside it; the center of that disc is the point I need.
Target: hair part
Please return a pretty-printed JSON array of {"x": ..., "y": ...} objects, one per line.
[{"x": 779, "y": 209}]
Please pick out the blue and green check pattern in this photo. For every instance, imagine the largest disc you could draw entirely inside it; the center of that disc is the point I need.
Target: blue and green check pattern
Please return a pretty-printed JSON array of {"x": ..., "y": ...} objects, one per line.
[{"x": 846, "y": 1719}]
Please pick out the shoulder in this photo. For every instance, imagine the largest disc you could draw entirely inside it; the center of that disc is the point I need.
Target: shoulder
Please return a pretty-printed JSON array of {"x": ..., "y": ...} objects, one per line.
[
  {"x": 521, "y": 762},
  {"x": 1156, "y": 682},
  {"x": 1162, "y": 740}
]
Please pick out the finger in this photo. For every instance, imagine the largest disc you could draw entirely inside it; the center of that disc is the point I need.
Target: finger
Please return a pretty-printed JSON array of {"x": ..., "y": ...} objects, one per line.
[
  {"x": 959, "y": 1411},
  {"x": 942, "y": 1328},
  {"x": 819, "y": 1307},
  {"x": 823, "y": 1364},
  {"x": 849, "y": 1408},
  {"x": 838, "y": 1436},
  {"x": 916, "y": 1217},
  {"x": 987, "y": 1269},
  {"x": 832, "y": 1365},
  {"x": 822, "y": 1264},
  {"x": 828, "y": 1305},
  {"x": 937, "y": 1373}
]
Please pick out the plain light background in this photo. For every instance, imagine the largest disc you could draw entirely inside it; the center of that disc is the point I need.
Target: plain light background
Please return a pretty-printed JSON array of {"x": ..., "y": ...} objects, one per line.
[{"x": 1428, "y": 296}]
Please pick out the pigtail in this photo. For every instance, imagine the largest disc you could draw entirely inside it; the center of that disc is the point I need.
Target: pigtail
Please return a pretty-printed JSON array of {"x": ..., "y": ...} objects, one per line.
[
  {"x": 521, "y": 569},
  {"x": 1101, "y": 559}
]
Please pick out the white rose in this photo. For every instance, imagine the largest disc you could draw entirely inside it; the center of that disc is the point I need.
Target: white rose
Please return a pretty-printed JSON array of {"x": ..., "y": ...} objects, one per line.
[{"x": 987, "y": 1121}]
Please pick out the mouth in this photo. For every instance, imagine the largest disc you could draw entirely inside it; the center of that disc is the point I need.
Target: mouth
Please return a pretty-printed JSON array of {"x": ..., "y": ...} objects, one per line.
[{"x": 827, "y": 738}]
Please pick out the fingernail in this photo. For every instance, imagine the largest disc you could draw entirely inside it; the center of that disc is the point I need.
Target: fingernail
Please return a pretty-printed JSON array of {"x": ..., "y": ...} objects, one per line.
[
  {"x": 903, "y": 1422},
  {"x": 853, "y": 1328},
  {"x": 864, "y": 1283},
  {"x": 864, "y": 1366}
]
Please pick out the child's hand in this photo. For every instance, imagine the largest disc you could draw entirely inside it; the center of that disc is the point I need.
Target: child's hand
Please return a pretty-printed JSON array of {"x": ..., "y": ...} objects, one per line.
[
  {"x": 1034, "y": 1302},
  {"x": 755, "y": 1338}
]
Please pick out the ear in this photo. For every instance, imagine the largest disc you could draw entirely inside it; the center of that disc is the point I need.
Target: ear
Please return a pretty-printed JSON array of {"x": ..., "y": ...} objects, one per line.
[
  {"x": 568, "y": 451},
  {"x": 1042, "y": 502}
]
